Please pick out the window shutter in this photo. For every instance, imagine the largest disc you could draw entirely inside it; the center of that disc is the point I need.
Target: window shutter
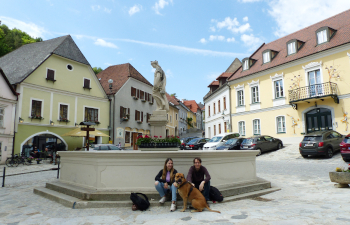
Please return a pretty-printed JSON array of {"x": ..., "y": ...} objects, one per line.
[
  {"x": 129, "y": 112},
  {"x": 86, "y": 83},
  {"x": 146, "y": 96},
  {"x": 147, "y": 118},
  {"x": 50, "y": 74},
  {"x": 136, "y": 115},
  {"x": 138, "y": 93},
  {"x": 141, "y": 116},
  {"x": 152, "y": 99},
  {"x": 121, "y": 111}
]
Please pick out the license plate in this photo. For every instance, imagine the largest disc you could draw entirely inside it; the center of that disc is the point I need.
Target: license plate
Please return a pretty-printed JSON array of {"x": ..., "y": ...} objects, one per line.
[
  {"x": 245, "y": 146},
  {"x": 309, "y": 145}
]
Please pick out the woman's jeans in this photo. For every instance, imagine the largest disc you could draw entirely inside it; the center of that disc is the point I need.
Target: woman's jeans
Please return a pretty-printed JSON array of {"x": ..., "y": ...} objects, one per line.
[{"x": 162, "y": 191}]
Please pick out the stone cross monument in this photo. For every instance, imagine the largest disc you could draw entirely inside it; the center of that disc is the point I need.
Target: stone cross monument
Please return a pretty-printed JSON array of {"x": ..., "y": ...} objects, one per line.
[{"x": 158, "y": 119}]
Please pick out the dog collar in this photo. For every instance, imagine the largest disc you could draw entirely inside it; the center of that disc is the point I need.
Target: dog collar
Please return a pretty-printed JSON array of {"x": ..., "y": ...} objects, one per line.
[{"x": 183, "y": 184}]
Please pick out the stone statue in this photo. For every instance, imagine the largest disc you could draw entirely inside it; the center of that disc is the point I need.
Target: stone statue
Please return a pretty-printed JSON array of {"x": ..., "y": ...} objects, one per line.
[{"x": 159, "y": 87}]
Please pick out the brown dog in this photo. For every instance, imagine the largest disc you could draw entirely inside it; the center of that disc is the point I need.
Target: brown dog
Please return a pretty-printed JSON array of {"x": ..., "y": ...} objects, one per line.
[{"x": 191, "y": 194}]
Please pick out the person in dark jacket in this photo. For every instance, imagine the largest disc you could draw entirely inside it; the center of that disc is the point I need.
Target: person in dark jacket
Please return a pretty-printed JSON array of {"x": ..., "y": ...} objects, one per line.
[
  {"x": 164, "y": 183},
  {"x": 196, "y": 176},
  {"x": 36, "y": 155}
]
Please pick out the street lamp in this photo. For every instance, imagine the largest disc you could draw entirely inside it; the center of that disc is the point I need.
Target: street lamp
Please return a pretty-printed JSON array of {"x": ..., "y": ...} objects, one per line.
[
  {"x": 51, "y": 123},
  {"x": 21, "y": 120}
]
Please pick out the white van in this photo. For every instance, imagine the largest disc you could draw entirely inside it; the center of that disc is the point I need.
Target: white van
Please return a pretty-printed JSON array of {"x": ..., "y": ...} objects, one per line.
[{"x": 219, "y": 140}]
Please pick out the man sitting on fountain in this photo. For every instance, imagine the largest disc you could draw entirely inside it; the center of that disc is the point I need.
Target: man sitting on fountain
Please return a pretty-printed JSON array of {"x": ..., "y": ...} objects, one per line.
[{"x": 196, "y": 177}]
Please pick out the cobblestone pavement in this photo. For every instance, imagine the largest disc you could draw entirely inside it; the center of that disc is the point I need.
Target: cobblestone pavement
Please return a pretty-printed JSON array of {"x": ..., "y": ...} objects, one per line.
[{"x": 307, "y": 197}]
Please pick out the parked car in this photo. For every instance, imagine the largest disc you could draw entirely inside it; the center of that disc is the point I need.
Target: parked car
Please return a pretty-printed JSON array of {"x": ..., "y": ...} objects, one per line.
[
  {"x": 345, "y": 148},
  {"x": 263, "y": 143},
  {"x": 320, "y": 143},
  {"x": 219, "y": 140},
  {"x": 196, "y": 144},
  {"x": 231, "y": 144},
  {"x": 104, "y": 147},
  {"x": 184, "y": 141}
]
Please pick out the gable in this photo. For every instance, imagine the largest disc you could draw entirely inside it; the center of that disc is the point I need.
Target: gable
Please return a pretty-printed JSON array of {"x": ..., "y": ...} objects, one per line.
[{"x": 6, "y": 90}]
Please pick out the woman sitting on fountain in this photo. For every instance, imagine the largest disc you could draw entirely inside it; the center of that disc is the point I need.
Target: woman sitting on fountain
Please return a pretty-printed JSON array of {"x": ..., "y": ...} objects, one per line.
[{"x": 164, "y": 183}]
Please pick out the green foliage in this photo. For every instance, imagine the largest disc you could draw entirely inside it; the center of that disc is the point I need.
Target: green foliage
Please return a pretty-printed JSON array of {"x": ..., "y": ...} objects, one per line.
[
  {"x": 12, "y": 39},
  {"x": 173, "y": 95},
  {"x": 97, "y": 69},
  {"x": 189, "y": 122}
]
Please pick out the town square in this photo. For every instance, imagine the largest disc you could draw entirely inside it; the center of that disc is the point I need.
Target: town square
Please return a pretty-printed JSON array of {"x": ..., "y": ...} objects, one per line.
[{"x": 228, "y": 117}]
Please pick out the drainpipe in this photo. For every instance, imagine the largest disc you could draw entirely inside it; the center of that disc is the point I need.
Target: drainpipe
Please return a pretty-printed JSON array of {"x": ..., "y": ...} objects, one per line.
[
  {"x": 113, "y": 116},
  {"x": 229, "y": 100},
  {"x": 14, "y": 130},
  {"x": 110, "y": 118}
]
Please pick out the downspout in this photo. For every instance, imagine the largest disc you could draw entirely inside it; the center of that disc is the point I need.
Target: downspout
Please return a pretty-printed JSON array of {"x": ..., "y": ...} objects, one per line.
[
  {"x": 229, "y": 100},
  {"x": 14, "y": 130},
  {"x": 110, "y": 118},
  {"x": 113, "y": 116}
]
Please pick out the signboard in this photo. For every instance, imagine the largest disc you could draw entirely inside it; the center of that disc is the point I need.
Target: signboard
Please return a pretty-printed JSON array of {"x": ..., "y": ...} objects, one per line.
[{"x": 120, "y": 132}]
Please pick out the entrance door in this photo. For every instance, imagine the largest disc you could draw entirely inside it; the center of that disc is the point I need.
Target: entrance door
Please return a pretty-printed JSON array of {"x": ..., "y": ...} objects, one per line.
[
  {"x": 315, "y": 83},
  {"x": 319, "y": 119},
  {"x": 134, "y": 139}
]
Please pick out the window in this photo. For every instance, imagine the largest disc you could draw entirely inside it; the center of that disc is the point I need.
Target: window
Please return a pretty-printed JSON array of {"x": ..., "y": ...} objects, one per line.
[
  {"x": 171, "y": 119},
  {"x": 255, "y": 94},
  {"x": 208, "y": 110},
  {"x": 86, "y": 83},
  {"x": 142, "y": 95},
  {"x": 176, "y": 116},
  {"x": 127, "y": 137},
  {"x": 219, "y": 128},
  {"x": 69, "y": 67},
  {"x": 1, "y": 118},
  {"x": 225, "y": 127},
  {"x": 36, "y": 108},
  {"x": 63, "y": 112},
  {"x": 322, "y": 36},
  {"x": 214, "y": 109},
  {"x": 133, "y": 92},
  {"x": 240, "y": 98},
  {"x": 138, "y": 116},
  {"x": 91, "y": 115},
  {"x": 246, "y": 64},
  {"x": 278, "y": 89},
  {"x": 281, "y": 124},
  {"x": 224, "y": 103},
  {"x": 219, "y": 110},
  {"x": 241, "y": 128},
  {"x": 148, "y": 116},
  {"x": 214, "y": 130},
  {"x": 256, "y": 126},
  {"x": 266, "y": 57},
  {"x": 167, "y": 116},
  {"x": 50, "y": 75},
  {"x": 291, "y": 48},
  {"x": 124, "y": 113}
]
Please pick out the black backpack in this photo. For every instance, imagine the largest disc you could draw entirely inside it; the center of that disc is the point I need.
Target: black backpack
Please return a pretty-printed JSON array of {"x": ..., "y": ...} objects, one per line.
[
  {"x": 142, "y": 204},
  {"x": 215, "y": 195}
]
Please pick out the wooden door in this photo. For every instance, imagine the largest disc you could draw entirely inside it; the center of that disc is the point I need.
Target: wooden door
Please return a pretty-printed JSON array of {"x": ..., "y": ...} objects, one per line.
[{"x": 134, "y": 138}]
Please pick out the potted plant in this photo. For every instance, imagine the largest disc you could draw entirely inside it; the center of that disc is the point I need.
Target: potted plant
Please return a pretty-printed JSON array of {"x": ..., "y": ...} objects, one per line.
[{"x": 341, "y": 176}]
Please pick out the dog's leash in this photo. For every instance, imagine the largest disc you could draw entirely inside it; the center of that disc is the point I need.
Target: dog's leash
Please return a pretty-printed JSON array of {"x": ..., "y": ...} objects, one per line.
[{"x": 191, "y": 189}]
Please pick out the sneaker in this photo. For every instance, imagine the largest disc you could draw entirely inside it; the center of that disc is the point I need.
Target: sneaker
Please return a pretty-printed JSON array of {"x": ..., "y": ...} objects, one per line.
[
  {"x": 172, "y": 207},
  {"x": 162, "y": 200}
]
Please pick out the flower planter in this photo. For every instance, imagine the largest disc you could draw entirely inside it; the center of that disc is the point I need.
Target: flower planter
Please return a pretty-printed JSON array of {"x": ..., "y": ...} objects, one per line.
[{"x": 342, "y": 178}]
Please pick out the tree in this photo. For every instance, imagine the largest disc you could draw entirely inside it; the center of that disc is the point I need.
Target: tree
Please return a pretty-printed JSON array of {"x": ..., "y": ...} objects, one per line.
[
  {"x": 189, "y": 121},
  {"x": 12, "y": 39},
  {"x": 97, "y": 70},
  {"x": 173, "y": 95}
]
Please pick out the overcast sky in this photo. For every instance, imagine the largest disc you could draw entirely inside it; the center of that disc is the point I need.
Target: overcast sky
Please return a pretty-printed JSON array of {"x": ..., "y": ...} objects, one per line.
[{"x": 193, "y": 41}]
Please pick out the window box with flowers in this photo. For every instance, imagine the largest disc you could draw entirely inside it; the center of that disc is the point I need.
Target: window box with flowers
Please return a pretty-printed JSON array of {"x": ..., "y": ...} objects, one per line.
[
  {"x": 341, "y": 177},
  {"x": 125, "y": 118},
  {"x": 36, "y": 117},
  {"x": 158, "y": 142},
  {"x": 65, "y": 120}
]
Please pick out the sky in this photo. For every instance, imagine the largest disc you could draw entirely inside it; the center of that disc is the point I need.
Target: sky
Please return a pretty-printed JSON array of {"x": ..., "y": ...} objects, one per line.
[{"x": 193, "y": 41}]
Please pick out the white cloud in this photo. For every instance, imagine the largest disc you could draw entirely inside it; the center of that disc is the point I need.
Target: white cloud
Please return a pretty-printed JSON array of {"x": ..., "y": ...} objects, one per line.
[
  {"x": 95, "y": 7},
  {"x": 135, "y": 9},
  {"x": 251, "y": 41},
  {"x": 232, "y": 25},
  {"x": 216, "y": 37},
  {"x": 169, "y": 74},
  {"x": 213, "y": 29},
  {"x": 230, "y": 39},
  {"x": 203, "y": 41},
  {"x": 160, "y": 5},
  {"x": 245, "y": 19},
  {"x": 30, "y": 28},
  {"x": 107, "y": 10},
  {"x": 292, "y": 16},
  {"x": 104, "y": 43}
]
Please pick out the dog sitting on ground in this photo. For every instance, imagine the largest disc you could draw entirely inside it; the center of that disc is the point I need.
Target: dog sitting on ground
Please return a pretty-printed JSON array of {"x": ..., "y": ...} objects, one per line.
[{"x": 191, "y": 194}]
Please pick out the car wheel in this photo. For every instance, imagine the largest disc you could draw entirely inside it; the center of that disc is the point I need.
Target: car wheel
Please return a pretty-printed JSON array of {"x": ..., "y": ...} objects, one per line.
[
  {"x": 259, "y": 151},
  {"x": 304, "y": 156},
  {"x": 329, "y": 153},
  {"x": 279, "y": 146}
]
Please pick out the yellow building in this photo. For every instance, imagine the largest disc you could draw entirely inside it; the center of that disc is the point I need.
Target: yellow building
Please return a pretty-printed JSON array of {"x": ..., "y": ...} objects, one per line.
[
  {"x": 192, "y": 114},
  {"x": 296, "y": 84},
  {"x": 172, "y": 127}
]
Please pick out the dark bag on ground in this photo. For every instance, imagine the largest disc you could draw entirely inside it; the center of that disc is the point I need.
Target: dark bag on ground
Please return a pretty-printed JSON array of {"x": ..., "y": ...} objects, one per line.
[
  {"x": 215, "y": 195},
  {"x": 141, "y": 204}
]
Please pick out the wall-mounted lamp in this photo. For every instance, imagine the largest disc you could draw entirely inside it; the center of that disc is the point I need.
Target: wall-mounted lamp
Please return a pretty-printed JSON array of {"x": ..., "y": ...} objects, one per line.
[
  {"x": 110, "y": 81},
  {"x": 21, "y": 120},
  {"x": 52, "y": 123},
  {"x": 76, "y": 124}
]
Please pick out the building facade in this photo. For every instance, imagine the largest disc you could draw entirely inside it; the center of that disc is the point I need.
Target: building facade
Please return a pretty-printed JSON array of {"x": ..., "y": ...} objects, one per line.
[
  {"x": 57, "y": 90},
  {"x": 295, "y": 85},
  {"x": 131, "y": 102},
  {"x": 182, "y": 118},
  {"x": 172, "y": 127},
  {"x": 8, "y": 102}
]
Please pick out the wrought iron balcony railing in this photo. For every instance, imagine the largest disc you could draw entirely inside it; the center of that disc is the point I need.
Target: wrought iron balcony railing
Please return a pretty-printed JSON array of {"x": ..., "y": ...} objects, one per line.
[{"x": 314, "y": 91}]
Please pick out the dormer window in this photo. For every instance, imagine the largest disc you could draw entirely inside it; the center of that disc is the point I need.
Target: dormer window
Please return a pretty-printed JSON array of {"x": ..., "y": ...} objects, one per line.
[
  {"x": 324, "y": 34},
  {"x": 248, "y": 63},
  {"x": 293, "y": 46},
  {"x": 268, "y": 55}
]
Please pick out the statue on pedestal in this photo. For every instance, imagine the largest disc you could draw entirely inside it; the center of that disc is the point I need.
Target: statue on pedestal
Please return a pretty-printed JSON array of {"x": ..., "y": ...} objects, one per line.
[{"x": 159, "y": 87}]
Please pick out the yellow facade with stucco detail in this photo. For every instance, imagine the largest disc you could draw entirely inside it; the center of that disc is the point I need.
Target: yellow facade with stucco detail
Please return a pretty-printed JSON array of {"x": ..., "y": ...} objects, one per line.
[{"x": 173, "y": 121}]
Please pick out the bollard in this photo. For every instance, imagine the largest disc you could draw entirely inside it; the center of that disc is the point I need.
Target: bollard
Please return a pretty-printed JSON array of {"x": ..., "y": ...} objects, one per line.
[
  {"x": 58, "y": 170},
  {"x": 3, "y": 177}
]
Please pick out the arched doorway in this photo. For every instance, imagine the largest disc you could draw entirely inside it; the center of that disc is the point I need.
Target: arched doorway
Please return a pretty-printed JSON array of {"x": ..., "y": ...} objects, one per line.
[
  {"x": 318, "y": 119},
  {"x": 42, "y": 140}
]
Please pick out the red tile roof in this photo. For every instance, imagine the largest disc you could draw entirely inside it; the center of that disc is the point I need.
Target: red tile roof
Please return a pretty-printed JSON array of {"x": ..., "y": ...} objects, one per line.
[
  {"x": 119, "y": 74},
  {"x": 224, "y": 75},
  {"x": 214, "y": 83},
  {"x": 172, "y": 99},
  {"x": 340, "y": 22},
  {"x": 192, "y": 105}
]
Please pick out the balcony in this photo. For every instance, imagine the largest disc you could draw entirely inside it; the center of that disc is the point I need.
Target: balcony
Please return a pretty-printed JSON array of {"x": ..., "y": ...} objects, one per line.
[{"x": 316, "y": 91}]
